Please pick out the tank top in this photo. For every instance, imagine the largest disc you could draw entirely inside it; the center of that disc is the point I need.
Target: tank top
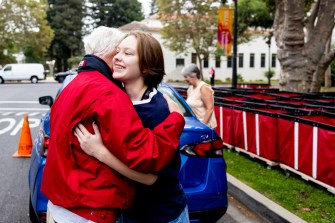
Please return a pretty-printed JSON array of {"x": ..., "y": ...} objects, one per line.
[{"x": 197, "y": 105}]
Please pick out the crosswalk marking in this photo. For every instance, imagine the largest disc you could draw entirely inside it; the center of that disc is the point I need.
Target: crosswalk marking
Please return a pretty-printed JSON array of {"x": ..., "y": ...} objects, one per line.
[
  {"x": 35, "y": 113},
  {"x": 24, "y": 109},
  {"x": 11, "y": 117},
  {"x": 22, "y": 113},
  {"x": 7, "y": 113},
  {"x": 19, "y": 102}
]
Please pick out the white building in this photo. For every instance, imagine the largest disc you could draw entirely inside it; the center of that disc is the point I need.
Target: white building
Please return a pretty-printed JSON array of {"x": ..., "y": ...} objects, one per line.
[{"x": 252, "y": 63}]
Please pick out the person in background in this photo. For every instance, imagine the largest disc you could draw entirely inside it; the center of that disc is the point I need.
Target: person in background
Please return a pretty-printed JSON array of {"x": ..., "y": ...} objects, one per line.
[
  {"x": 212, "y": 76},
  {"x": 139, "y": 65},
  {"x": 200, "y": 96},
  {"x": 79, "y": 187}
]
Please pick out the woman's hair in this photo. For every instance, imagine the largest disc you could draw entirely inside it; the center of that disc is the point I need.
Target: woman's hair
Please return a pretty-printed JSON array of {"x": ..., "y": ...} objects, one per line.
[
  {"x": 102, "y": 40},
  {"x": 191, "y": 70},
  {"x": 150, "y": 57}
]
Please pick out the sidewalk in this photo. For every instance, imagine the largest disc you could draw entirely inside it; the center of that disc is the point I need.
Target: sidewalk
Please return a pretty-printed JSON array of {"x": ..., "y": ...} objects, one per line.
[
  {"x": 264, "y": 207},
  {"x": 49, "y": 79}
]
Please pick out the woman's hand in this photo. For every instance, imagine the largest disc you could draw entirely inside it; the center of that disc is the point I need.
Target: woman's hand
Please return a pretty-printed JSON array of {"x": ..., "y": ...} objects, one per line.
[
  {"x": 173, "y": 106},
  {"x": 90, "y": 143}
]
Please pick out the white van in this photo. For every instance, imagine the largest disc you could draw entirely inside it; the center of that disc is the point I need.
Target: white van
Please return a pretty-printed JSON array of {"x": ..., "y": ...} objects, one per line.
[{"x": 18, "y": 72}]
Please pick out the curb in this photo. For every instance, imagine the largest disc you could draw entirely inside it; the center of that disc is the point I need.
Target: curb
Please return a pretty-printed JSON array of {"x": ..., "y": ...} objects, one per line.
[
  {"x": 264, "y": 207},
  {"x": 49, "y": 80}
]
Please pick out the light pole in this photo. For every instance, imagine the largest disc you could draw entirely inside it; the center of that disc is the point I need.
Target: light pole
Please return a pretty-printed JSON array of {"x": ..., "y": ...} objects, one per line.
[
  {"x": 269, "y": 44},
  {"x": 234, "y": 57},
  {"x": 234, "y": 74}
]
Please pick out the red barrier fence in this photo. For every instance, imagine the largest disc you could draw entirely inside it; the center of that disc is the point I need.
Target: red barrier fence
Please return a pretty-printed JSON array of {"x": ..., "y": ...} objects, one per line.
[{"x": 293, "y": 130}]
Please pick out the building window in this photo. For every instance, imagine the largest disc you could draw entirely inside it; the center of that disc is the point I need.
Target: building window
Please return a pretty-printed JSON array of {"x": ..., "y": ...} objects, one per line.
[
  {"x": 217, "y": 61},
  {"x": 194, "y": 58},
  {"x": 263, "y": 60},
  {"x": 206, "y": 62},
  {"x": 252, "y": 60},
  {"x": 273, "y": 60},
  {"x": 229, "y": 61},
  {"x": 180, "y": 62},
  {"x": 240, "y": 60}
]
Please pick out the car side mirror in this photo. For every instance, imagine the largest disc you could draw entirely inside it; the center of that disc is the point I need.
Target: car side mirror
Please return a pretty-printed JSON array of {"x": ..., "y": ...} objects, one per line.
[{"x": 46, "y": 100}]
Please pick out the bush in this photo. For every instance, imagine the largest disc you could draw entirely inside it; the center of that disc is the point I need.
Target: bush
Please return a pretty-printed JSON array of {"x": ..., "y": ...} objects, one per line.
[
  {"x": 6, "y": 59},
  {"x": 74, "y": 61},
  {"x": 269, "y": 74}
]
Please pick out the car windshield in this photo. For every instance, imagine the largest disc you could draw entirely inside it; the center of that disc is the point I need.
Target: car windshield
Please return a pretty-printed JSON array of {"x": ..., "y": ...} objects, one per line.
[{"x": 171, "y": 94}]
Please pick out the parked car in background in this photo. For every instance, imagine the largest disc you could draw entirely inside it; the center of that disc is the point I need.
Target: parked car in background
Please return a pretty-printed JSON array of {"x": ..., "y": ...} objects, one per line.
[
  {"x": 20, "y": 72},
  {"x": 202, "y": 173},
  {"x": 60, "y": 76}
]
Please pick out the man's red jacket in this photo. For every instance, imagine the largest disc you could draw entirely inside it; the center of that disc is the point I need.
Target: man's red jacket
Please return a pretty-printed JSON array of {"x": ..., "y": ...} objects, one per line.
[{"x": 80, "y": 183}]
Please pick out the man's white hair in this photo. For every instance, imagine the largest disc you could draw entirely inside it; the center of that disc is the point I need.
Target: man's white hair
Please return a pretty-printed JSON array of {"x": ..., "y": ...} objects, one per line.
[{"x": 102, "y": 40}]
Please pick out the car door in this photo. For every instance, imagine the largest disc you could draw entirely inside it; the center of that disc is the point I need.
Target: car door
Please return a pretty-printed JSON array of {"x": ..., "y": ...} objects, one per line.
[{"x": 8, "y": 73}]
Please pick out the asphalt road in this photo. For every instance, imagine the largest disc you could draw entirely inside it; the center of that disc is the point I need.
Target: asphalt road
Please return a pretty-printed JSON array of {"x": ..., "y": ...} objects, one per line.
[{"x": 18, "y": 99}]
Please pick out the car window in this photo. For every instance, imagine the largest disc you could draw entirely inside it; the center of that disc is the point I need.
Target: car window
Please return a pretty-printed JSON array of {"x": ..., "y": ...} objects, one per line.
[
  {"x": 172, "y": 95},
  {"x": 8, "y": 68}
]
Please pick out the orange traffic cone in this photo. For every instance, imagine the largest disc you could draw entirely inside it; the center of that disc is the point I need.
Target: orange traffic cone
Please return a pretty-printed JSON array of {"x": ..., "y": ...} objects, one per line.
[{"x": 25, "y": 143}]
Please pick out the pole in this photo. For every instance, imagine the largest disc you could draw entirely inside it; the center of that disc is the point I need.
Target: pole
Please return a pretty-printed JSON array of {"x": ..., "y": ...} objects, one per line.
[
  {"x": 269, "y": 61},
  {"x": 234, "y": 74}
]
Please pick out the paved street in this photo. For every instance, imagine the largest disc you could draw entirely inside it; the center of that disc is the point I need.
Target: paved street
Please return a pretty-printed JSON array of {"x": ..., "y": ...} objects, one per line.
[{"x": 18, "y": 99}]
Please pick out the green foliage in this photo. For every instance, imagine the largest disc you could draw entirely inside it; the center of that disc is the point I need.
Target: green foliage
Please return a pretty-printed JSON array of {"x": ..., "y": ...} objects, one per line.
[
  {"x": 6, "y": 59},
  {"x": 305, "y": 199},
  {"x": 240, "y": 78},
  {"x": 23, "y": 27},
  {"x": 269, "y": 74},
  {"x": 74, "y": 61},
  {"x": 65, "y": 17},
  {"x": 253, "y": 14},
  {"x": 153, "y": 7},
  {"x": 39, "y": 42},
  {"x": 332, "y": 72},
  {"x": 115, "y": 13},
  {"x": 189, "y": 27}
]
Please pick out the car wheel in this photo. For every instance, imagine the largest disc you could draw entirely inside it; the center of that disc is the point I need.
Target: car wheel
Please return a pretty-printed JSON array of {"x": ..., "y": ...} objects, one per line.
[
  {"x": 34, "y": 80},
  {"x": 1, "y": 80},
  {"x": 32, "y": 215},
  {"x": 61, "y": 79}
]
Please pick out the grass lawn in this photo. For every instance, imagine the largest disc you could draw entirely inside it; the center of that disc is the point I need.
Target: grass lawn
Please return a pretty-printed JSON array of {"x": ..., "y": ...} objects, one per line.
[{"x": 307, "y": 200}]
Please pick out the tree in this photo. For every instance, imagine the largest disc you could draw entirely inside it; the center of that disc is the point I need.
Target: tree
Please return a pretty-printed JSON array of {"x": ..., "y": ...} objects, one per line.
[
  {"x": 253, "y": 14},
  {"x": 269, "y": 74},
  {"x": 38, "y": 42},
  {"x": 65, "y": 17},
  {"x": 301, "y": 39},
  {"x": 189, "y": 27},
  {"x": 114, "y": 13},
  {"x": 23, "y": 25},
  {"x": 153, "y": 7}
]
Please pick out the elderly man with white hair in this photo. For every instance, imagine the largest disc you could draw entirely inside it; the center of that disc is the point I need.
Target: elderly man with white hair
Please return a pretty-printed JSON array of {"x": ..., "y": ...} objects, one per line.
[{"x": 79, "y": 187}]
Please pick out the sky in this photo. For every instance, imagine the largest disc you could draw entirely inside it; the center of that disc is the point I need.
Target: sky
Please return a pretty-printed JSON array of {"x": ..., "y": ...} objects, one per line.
[{"x": 145, "y": 6}]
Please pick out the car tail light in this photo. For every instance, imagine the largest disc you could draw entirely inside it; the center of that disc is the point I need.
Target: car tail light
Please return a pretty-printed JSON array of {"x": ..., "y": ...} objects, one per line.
[
  {"x": 212, "y": 148},
  {"x": 44, "y": 149},
  {"x": 43, "y": 216}
]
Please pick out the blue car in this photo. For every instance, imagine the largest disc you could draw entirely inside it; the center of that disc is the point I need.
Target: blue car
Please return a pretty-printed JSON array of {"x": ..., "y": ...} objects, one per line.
[{"x": 202, "y": 173}]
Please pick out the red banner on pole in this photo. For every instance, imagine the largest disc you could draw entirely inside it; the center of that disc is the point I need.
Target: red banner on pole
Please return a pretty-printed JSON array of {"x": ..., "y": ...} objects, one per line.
[{"x": 225, "y": 30}]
